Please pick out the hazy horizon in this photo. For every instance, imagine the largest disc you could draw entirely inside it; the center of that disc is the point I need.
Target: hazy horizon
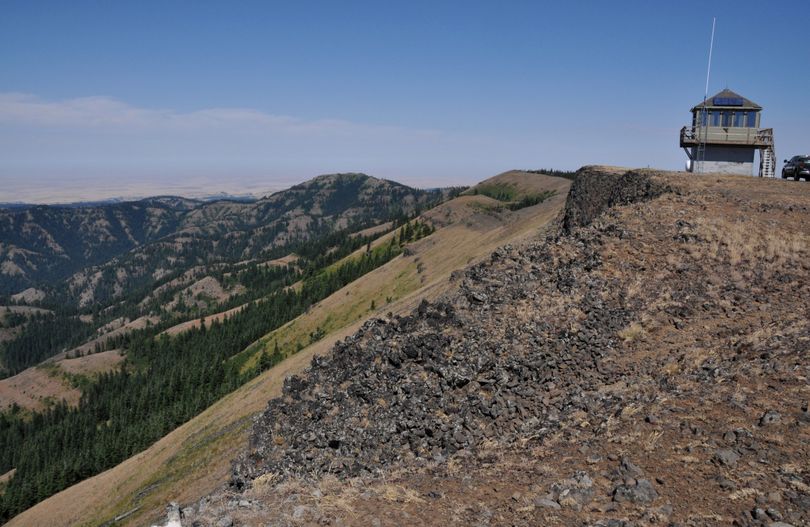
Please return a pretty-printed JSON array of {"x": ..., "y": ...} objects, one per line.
[
  {"x": 76, "y": 193},
  {"x": 194, "y": 188}
]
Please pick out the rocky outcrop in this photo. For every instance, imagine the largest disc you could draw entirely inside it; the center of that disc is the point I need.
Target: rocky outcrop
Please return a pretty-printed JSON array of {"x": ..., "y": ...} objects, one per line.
[
  {"x": 455, "y": 374},
  {"x": 594, "y": 191}
]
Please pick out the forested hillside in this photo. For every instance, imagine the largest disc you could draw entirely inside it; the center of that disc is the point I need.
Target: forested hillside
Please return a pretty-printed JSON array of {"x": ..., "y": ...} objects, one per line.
[
  {"x": 174, "y": 259},
  {"x": 106, "y": 252},
  {"x": 43, "y": 244},
  {"x": 165, "y": 380},
  {"x": 103, "y": 268}
]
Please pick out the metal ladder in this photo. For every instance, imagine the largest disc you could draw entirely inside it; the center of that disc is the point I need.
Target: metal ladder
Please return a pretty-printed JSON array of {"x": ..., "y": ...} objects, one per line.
[
  {"x": 767, "y": 166},
  {"x": 767, "y": 154}
]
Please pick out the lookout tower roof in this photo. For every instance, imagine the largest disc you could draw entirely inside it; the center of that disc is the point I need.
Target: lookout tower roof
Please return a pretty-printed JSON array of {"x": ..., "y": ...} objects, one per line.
[{"x": 727, "y": 99}]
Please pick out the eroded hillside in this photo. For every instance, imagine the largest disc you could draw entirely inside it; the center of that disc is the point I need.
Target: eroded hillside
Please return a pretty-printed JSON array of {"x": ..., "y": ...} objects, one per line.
[{"x": 646, "y": 364}]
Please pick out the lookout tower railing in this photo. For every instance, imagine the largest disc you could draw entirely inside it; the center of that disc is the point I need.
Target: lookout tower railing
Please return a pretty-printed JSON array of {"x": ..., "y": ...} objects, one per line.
[{"x": 732, "y": 135}]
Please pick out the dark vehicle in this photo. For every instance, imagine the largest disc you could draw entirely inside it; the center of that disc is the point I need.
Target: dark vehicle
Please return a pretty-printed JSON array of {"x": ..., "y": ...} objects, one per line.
[{"x": 798, "y": 167}]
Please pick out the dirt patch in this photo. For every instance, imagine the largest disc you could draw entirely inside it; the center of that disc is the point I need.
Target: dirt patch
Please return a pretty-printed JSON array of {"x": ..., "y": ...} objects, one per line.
[
  {"x": 204, "y": 293},
  {"x": 196, "y": 323},
  {"x": 7, "y": 334},
  {"x": 93, "y": 364},
  {"x": 11, "y": 269},
  {"x": 371, "y": 231},
  {"x": 35, "y": 388},
  {"x": 29, "y": 296},
  {"x": 7, "y": 476}
]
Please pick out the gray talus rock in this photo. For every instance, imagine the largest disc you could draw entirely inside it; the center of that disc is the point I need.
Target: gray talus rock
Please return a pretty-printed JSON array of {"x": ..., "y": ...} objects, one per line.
[
  {"x": 546, "y": 503},
  {"x": 769, "y": 418},
  {"x": 726, "y": 457},
  {"x": 573, "y": 493},
  {"x": 642, "y": 492}
]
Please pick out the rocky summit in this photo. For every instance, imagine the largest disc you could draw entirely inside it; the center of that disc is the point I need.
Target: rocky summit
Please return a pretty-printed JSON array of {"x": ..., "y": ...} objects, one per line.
[
  {"x": 478, "y": 366},
  {"x": 642, "y": 362}
]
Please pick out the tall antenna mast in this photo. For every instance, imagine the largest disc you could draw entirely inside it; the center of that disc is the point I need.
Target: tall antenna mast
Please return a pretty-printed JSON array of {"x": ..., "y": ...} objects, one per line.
[
  {"x": 700, "y": 157},
  {"x": 709, "y": 69}
]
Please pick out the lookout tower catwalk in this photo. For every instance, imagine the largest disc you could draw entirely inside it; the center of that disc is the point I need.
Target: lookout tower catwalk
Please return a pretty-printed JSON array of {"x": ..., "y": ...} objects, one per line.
[{"x": 724, "y": 135}]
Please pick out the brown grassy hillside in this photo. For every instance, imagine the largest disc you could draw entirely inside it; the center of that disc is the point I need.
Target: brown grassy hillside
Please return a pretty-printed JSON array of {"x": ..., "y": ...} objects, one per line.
[{"x": 195, "y": 458}]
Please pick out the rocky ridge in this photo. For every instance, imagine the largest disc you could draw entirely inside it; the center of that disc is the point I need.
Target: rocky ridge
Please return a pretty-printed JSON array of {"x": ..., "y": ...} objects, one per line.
[
  {"x": 457, "y": 373},
  {"x": 633, "y": 367}
]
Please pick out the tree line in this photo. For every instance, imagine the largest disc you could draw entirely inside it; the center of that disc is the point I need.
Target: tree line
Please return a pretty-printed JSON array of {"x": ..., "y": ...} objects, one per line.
[
  {"x": 163, "y": 382},
  {"x": 48, "y": 334}
]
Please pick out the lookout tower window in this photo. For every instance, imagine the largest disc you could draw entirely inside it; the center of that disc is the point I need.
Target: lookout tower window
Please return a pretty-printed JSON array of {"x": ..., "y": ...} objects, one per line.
[{"x": 739, "y": 119}]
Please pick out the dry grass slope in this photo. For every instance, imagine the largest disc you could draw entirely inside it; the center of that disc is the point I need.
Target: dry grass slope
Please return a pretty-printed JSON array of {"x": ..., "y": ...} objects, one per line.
[
  {"x": 45, "y": 384},
  {"x": 466, "y": 232},
  {"x": 36, "y": 388},
  {"x": 195, "y": 458},
  {"x": 41, "y": 385}
]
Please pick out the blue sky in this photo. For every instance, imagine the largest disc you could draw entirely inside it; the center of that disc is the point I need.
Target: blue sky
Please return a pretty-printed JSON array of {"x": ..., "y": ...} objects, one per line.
[{"x": 126, "y": 98}]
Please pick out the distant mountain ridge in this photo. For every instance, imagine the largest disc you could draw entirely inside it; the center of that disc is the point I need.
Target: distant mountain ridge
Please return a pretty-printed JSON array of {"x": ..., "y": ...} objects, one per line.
[
  {"x": 47, "y": 243},
  {"x": 43, "y": 245},
  {"x": 206, "y": 198}
]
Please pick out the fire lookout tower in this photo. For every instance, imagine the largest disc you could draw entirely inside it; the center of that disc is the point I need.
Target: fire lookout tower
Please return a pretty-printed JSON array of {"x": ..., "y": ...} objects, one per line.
[{"x": 724, "y": 135}]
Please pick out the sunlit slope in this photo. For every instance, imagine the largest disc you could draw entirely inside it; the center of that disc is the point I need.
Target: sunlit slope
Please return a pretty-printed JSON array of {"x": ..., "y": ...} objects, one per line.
[
  {"x": 195, "y": 458},
  {"x": 472, "y": 226}
]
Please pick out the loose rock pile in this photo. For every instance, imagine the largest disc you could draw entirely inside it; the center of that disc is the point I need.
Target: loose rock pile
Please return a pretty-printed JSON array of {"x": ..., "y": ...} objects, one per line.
[{"x": 457, "y": 373}]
